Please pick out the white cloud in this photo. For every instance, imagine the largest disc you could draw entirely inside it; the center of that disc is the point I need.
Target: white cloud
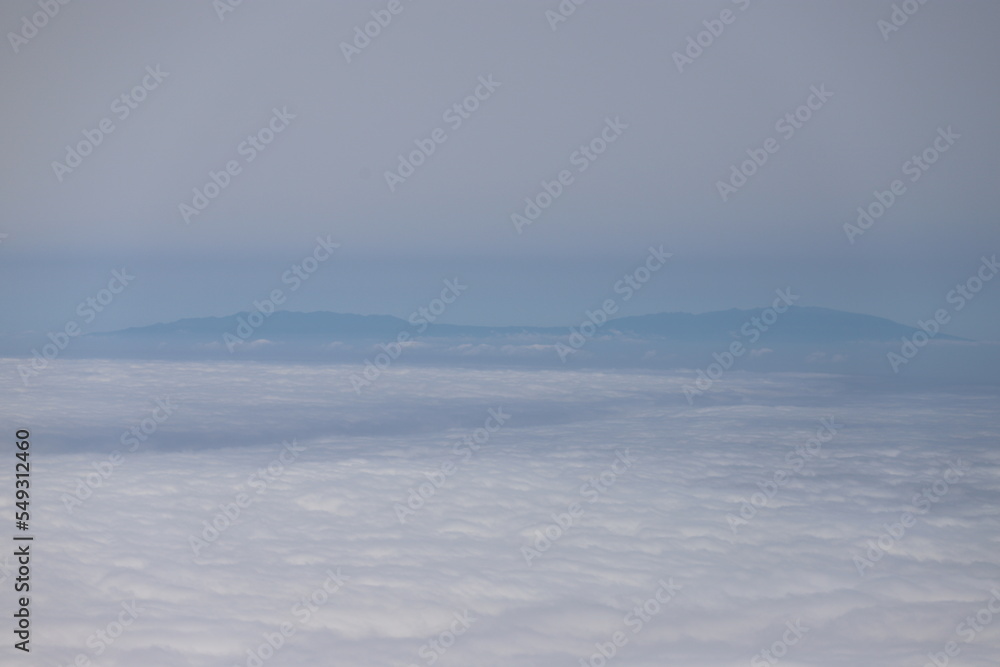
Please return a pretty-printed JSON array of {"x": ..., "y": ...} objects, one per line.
[{"x": 665, "y": 517}]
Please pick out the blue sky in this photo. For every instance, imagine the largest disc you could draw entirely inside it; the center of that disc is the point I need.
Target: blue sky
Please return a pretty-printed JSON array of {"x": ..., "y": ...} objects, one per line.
[{"x": 219, "y": 81}]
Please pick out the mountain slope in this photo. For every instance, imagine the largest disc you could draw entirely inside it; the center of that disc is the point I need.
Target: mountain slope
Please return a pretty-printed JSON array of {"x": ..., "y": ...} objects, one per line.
[{"x": 797, "y": 325}]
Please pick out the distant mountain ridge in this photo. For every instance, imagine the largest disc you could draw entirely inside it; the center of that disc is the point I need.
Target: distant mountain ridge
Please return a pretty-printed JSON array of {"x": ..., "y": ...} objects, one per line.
[
  {"x": 806, "y": 324},
  {"x": 801, "y": 339},
  {"x": 799, "y": 324}
]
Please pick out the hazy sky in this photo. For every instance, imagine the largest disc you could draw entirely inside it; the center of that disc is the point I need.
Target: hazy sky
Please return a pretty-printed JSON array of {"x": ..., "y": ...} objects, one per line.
[{"x": 553, "y": 91}]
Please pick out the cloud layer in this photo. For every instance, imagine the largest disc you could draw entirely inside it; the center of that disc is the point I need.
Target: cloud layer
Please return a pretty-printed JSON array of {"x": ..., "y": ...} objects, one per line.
[{"x": 603, "y": 503}]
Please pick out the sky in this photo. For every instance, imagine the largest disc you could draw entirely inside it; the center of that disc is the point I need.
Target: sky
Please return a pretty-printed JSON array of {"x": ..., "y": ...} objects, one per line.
[
  {"x": 198, "y": 82},
  {"x": 764, "y": 505}
]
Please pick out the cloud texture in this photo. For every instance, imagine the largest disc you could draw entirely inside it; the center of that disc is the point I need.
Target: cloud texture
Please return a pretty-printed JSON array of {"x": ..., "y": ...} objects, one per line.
[{"x": 602, "y": 504}]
